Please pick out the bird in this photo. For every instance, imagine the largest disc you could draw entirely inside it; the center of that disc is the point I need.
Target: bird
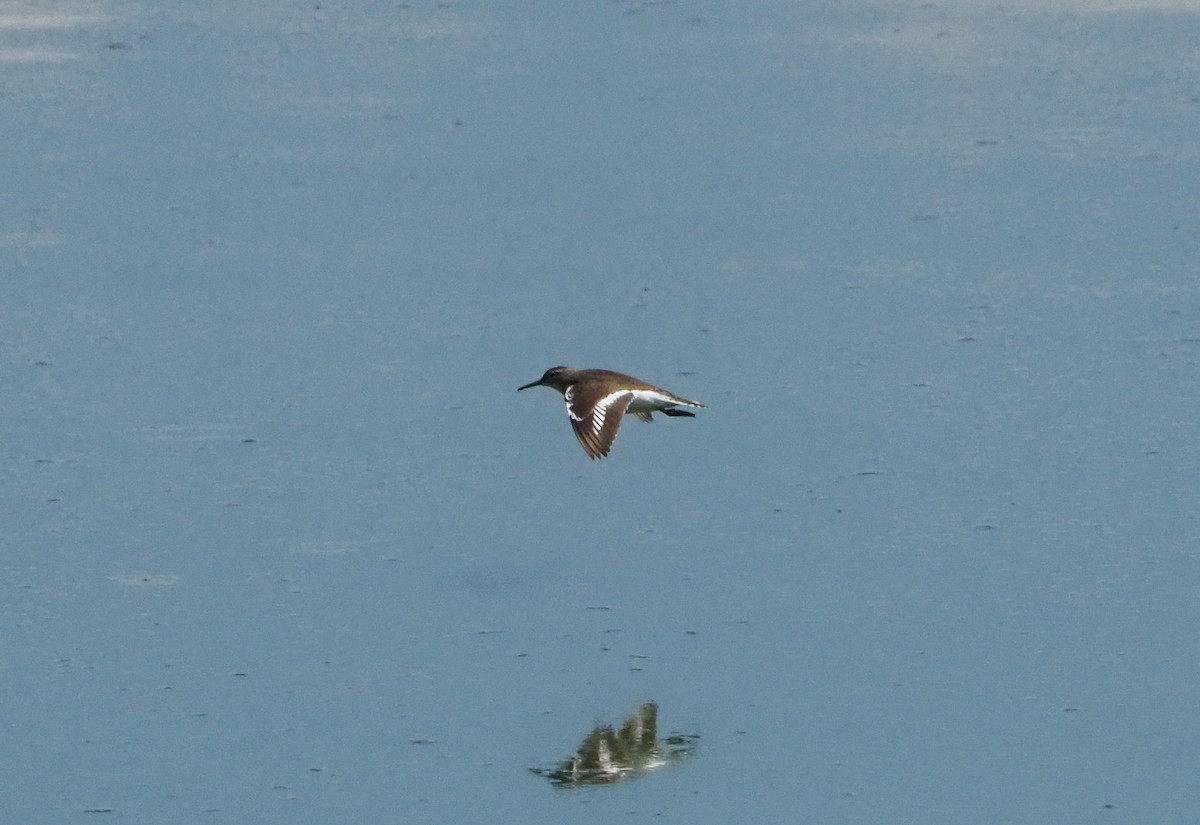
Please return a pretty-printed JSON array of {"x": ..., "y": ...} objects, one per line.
[{"x": 597, "y": 400}]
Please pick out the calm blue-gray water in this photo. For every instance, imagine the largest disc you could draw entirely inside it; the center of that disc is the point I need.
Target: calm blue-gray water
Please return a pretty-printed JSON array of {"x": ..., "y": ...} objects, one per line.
[{"x": 280, "y": 541}]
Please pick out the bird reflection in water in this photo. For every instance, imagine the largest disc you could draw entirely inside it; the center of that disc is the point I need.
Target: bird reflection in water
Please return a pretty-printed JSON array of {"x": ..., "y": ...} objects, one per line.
[{"x": 608, "y": 755}]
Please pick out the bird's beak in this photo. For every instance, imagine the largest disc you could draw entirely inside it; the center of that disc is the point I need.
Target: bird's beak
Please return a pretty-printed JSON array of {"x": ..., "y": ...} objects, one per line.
[{"x": 536, "y": 383}]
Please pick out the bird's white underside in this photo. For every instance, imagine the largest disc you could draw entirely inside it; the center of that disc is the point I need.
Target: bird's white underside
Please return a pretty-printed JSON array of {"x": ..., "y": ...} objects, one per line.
[
  {"x": 649, "y": 401},
  {"x": 642, "y": 403}
]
